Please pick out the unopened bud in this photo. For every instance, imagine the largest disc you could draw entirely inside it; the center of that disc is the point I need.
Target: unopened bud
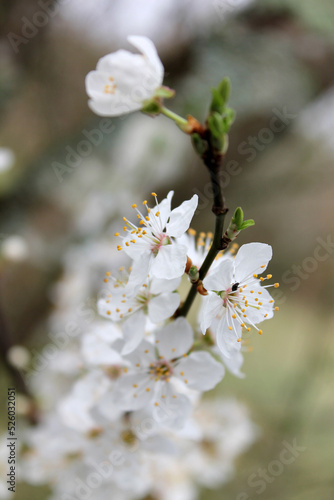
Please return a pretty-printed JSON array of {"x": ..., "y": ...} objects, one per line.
[{"x": 193, "y": 274}]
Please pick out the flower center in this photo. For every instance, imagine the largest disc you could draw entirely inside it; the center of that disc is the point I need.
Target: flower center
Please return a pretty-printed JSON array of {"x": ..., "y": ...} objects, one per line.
[{"x": 161, "y": 370}]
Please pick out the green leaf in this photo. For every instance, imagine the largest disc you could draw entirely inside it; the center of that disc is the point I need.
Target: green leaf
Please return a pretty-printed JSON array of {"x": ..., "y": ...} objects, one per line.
[
  {"x": 246, "y": 224},
  {"x": 238, "y": 217},
  {"x": 224, "y": 89},
  {"x": 217, "y": 103}
]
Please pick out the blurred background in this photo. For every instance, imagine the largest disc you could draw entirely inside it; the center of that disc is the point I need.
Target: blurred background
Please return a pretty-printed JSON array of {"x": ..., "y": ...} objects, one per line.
[{"x": 61, "y": 200}]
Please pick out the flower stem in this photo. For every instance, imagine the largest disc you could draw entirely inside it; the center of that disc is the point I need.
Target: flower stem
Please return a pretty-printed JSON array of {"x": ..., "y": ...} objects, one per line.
[
  {"x": 214, "y": 165},
  {"x": 180, "y": 122}
]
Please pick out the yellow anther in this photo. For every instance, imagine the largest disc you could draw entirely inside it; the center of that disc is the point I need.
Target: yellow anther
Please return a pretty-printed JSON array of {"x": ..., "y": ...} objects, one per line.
[
  {"x": 127, "y": 243},
  {"x": 108, "y": 312},
  {"x": 108, "y": 273},
  {"x": 156, "y": 404},
  {"x": 116, "y": 234},
  {"x": 230, "y": 328},
  {"x": 265, "y": 315},
  {"x": 181, "y": 373},
  {"x": 124, "y": 218},
  {"x": 147, "y": 217},
  {"x": 154, "y": 194},
  {"x": 276, "y": 285},
  {"x": 148, "y": 389},
  {"x": 262, "y": 267},
  {"x": 124, "y": 228},
  {"x": 252, "y": 291},
  {"x": 117, "y": 310},
  {"x": 271, "y": 301},
  {"x": 242, "y": 325},
  {"x": 254, "y": 275},
  {"x": 173, "y": 350},
  {"x": 256, "y": 299},
  {"x": 248, "y": 329},
  {"x": 106, "y": 280},
  {"x": 125, "y": 370},
  {"x": 276, "y": 308},
  {"x": 259, "y": 293},
  {"x": 135, "y": 386},
  {"x": 145, "y": 202},
  {"x": 261, "y": 279},
  {"x": 234, "y": 316},
  {"x": 134, "y": 206},
  {"x": 269, "y": 276},
  {"x": 130, "y": 309},
  {"x": 239, "y": 339},
  {"x": 260, "y": 332},
  {"x": 260, "y": 304},
  {"x": 146, "y": 351},
  {"x": 192, "y": 232},
  {"x": 119, "y": 247},
  {"x": 185, "y": 381},
  {"x": 135, "y": 395},
  {"x": 157, "y": 214}
]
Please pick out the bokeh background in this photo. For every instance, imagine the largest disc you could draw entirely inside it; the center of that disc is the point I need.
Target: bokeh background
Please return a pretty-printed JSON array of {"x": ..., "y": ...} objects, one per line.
[{"x": 59, "y": 212}]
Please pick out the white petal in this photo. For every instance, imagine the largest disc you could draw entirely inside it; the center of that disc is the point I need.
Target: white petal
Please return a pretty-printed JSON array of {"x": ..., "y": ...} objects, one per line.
[
  {"x": 212, "y": 305},
  {"x": 175, "y": 339},
  {"x": 234, "y": 363},
  {"x": 221, "y": 277},
  {"x": 163, "y": 306},
  {"x": 250, "y": 259},
  {"x": 171, "y": 408},
  {"x": 133, "y": 392},
  {"x": 227, "y": 340},
  {"x": 147, "y": 47},
  {"x": 113, "y": 107},
  {"x": 142, "y": 356},
  {"x": 133, "y": 330},
  {"x": 170, "y": 262},
  {"x": 200, "y": 371},
  {"x": 158, "y": 285},
  {"x": 97, "y": 352},
  {"x": 139, "y": 272},
  {"x": 181, "y": 216}
]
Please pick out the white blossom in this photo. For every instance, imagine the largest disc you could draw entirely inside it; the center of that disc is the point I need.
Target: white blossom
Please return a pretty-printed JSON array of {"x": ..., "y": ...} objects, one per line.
[
  {"x": 150, "y": 379},
  {"x": 236, "y": 297},
  {"x": 152, "y": 246},
  {"x": 123, "y": 81}
]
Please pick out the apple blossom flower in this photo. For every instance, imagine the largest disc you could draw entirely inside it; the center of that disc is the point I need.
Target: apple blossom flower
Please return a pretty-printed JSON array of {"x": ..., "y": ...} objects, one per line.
[
  {"x": 236, "y": 297},
  {"x": 155, "y": 369},
  {"x": 152, "y": 246},
  {"x": 123, "y": 81}
]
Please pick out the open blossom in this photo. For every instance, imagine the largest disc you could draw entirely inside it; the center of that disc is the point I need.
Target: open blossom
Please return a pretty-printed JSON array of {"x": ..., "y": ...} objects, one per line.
[
  {"x": 152, "y": 379},
  {"x": 156, "y": 298},
  {"x": 236, "y": 298},
  {"x": 123, "y": 81},
  {"x": 152, "y": 246}
]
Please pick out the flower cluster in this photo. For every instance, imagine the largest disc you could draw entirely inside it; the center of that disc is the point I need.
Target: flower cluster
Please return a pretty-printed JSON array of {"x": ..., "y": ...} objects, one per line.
[
  {"x": 134, "y": 408},
  {"x": 132, "y": 424}
]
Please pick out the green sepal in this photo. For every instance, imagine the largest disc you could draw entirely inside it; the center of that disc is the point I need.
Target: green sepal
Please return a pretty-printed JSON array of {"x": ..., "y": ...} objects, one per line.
[
  {"x": 151, "y": 107},
  {"x": 165, "y": 92},
  {"x": 217, "y": 103}
]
